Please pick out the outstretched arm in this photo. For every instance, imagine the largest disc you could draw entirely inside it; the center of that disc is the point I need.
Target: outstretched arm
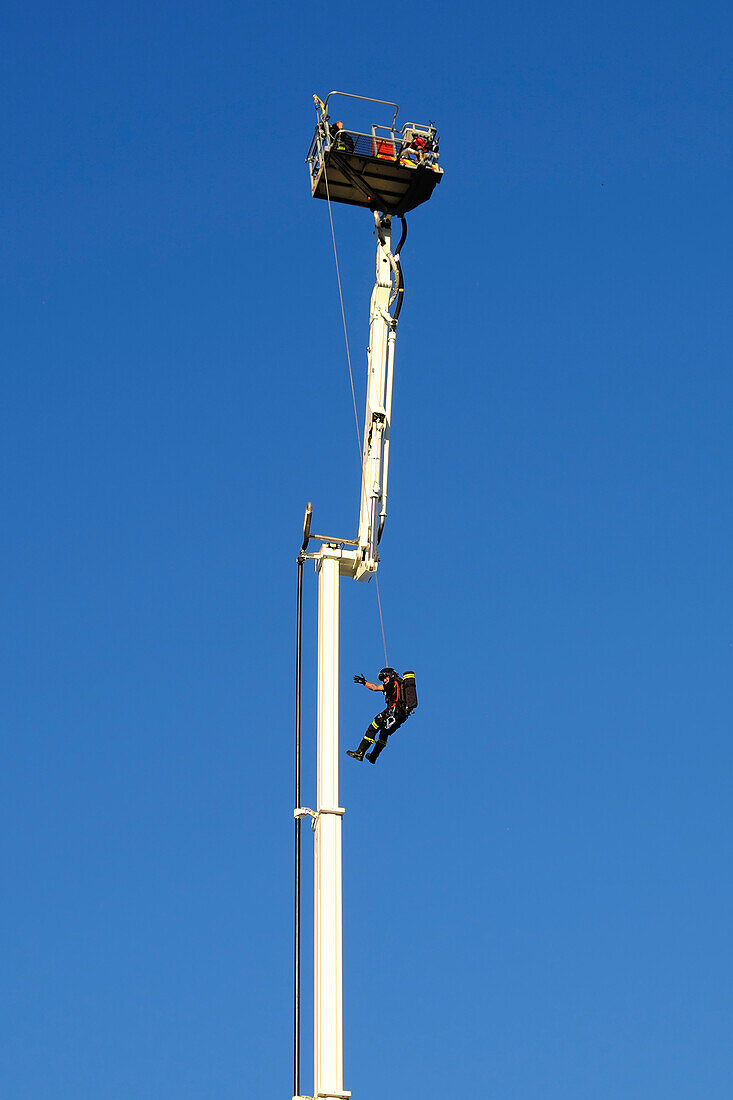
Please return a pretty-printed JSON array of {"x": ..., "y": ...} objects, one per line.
[{"x": 365, "y": 682}]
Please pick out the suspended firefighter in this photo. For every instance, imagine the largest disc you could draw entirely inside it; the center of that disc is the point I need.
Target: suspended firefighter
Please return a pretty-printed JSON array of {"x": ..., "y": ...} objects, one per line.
[{"x": 401, "y": 698}]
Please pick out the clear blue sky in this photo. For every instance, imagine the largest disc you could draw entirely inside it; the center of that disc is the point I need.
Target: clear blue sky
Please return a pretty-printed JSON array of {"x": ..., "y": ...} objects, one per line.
[{"x": 538, "y": 896}]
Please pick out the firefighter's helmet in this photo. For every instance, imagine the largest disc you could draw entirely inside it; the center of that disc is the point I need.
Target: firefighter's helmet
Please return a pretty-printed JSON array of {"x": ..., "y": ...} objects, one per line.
[{"x": 387, "y": 674}]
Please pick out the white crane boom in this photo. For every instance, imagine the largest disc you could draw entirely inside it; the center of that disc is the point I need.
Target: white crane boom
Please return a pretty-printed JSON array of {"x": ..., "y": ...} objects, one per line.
[{"x": 380, "y": 377}]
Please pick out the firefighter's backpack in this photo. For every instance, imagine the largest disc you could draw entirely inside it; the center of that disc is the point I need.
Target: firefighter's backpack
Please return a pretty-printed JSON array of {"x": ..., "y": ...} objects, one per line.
[{"x": 409, "y": 691}]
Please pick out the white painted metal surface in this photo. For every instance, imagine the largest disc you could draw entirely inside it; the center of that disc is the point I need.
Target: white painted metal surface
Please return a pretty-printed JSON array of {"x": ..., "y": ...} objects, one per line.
[
  {"x": 391, "y": 339},
  {"x": 378, "y": 399},
  {"x": 328, "y": 1070}
]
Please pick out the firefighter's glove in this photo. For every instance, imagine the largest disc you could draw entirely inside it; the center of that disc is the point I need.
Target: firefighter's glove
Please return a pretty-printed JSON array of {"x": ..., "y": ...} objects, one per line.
[{"x": 359, "y": 679}]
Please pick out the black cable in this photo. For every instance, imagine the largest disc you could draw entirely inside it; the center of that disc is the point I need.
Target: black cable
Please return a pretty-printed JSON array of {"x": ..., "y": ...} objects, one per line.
[
  {"x": 296, "y": 953},
  {"x": 401, "y": 279},
  {"x": 400, "y": 293},
  {"x": 403, "y": 238}
]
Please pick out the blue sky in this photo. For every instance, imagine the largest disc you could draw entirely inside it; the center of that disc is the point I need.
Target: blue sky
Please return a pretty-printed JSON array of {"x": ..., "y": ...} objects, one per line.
[{"x": 538, "y": 895}]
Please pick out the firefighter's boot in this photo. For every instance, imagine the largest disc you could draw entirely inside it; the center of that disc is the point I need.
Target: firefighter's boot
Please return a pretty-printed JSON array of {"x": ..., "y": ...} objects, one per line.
[
  {"x": 379, "y": 746},
  {"x": 358, "y": 754}
]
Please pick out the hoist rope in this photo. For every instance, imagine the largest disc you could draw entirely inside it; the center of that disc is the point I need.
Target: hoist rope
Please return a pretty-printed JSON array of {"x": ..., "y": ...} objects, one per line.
[
  {"x": 359, "y": 457},
  {"x": 343, "y": 315},
  {"x": 381, "y": 622},
  {"x": 348, "y": 359}
]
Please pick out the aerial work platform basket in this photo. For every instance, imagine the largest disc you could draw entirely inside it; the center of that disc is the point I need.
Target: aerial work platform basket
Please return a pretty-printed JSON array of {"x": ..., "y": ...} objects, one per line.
[{"x": 389, "y": 170}]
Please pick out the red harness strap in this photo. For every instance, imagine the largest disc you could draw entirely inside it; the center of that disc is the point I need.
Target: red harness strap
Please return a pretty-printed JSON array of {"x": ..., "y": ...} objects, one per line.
[{"x": 395, "y": 684}]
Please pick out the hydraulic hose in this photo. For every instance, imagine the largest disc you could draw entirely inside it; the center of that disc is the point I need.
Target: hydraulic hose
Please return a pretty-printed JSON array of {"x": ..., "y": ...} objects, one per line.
[
  {"x": 400, "y": 293},
  {"x": 401, "y": 278},
  {"x": 403, "y": 238}
]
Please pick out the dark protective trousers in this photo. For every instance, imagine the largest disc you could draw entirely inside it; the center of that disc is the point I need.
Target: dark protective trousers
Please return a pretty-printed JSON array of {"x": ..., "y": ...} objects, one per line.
[{"x": 384, "y": 724}]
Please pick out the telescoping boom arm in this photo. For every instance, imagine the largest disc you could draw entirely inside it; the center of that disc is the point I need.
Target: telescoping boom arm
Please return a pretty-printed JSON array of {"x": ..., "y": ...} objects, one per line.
[
  {"x": 390, "y": 172},
  {"x": 386, "y": 297}
]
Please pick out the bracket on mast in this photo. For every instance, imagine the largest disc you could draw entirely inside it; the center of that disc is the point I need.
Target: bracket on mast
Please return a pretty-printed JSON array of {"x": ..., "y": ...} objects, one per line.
[
  {"x": 325, "y": 1096},
  {"x": 306, "y": 811}
]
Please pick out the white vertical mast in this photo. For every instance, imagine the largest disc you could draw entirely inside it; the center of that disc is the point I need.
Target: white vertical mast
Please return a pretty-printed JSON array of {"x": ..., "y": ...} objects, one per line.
[{"x": 328, "y": 1044}]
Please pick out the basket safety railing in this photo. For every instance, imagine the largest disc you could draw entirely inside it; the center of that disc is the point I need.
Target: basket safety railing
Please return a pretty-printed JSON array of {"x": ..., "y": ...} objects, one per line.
[
  {"x": 364, "y": 99},
  {"x": 415, "y": 145}
]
